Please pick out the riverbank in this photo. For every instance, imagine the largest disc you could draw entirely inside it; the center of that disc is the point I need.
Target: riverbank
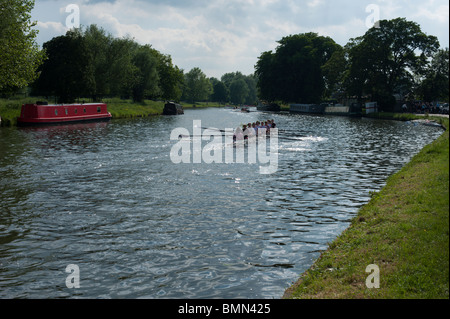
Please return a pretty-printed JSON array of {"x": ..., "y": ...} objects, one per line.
[
  {"x": 404, "y": 230},
  {"x": 119, "y": 108}
]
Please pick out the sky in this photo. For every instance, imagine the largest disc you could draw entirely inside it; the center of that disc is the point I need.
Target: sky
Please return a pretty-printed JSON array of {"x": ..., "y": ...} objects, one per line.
[{"x": 223, "y": 36}]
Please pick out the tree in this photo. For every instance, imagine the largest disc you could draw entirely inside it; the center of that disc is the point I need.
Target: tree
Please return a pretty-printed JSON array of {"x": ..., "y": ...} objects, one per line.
[
  {"x": 248, "y": 83},
  {"x": 171, "y": 78},
  {"x": 238, "y": 91},
  {"x": 334, "y": 71},
  {"x": 435, "y": 85},
  {"x": 197, "y": 85},
  {"x": 294, "y": 72},
  {"x": 146, "y": 75},
  {"x": 68, "y": 73},
  {"x": 220, "y": 92},
  {"x": 99, "y": 45},
  {"x": 252, "y": 95},
  {"x": 122, "y": 71},
  {"x": 266, "y": 74},
  {"x": 385, "y": 58},
  {"x": 20, "y": 56}
]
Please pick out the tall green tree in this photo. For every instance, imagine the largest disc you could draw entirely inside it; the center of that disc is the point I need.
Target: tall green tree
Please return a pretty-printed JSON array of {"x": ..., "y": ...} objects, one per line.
[
  {"x": 248, "y": 83},
  {"x": 267, "y": 77},
  {"x": 20, "y": 56},
  {"x": 294, "y": 72},
  {"x": 99, "y": 44},
  {"x": 252, "y": 96},
  {"x": 68, "y": 73},
  {"x": 146, "y": 75},
  {"x": 122, "y": 71},
  {"x": 435, "y": 84},
  {"x": 197, "y": 86},
  {"x": 220, "y": 92},
  {"x": 238, "y": 91},
  {"x": 334, "y": 73},
  {"x": 171, "y": 78},
  {"x": 385, "y": 58}
]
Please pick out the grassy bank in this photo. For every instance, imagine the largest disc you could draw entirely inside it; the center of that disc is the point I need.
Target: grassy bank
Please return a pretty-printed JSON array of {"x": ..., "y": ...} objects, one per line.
[
  {"x": 10, "y": 109},
  {"x": 128, "y": 109},
  {"x": 394, "y": 116},
  {"x": 404, "y": 230}
]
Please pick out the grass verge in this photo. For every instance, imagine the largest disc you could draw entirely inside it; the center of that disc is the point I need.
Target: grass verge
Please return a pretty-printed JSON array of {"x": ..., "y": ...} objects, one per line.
[{"x": 404, "y": 230}]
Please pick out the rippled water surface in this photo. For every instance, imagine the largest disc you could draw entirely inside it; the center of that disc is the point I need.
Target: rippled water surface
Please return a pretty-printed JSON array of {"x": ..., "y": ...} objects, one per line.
[{"x": 107, "y": 198}]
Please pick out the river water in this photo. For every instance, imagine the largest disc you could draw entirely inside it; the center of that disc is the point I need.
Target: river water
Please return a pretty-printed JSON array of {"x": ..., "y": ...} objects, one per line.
[{"x": 108, "y": 198}]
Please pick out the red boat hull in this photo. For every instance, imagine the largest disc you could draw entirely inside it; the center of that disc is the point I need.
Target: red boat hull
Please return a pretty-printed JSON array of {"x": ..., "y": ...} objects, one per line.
[{"x": 35, "y": 114}]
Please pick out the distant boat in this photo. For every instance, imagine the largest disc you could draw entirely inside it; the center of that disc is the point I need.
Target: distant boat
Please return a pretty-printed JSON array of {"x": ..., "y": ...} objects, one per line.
[
  {"x": 43, "y": 113},
  {"x": 172, "y": 108},
  {"x": 307, "y": 108},
  {"x": 272, "y": 107},
  {"x": 353, "y": 111}
]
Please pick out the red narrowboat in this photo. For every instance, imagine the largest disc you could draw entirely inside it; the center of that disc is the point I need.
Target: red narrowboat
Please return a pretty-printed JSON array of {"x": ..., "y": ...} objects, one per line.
[{"x": 43, "y": 113}]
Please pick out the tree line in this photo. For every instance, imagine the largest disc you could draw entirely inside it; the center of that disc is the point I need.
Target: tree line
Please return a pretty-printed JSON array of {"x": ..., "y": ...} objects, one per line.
[
  {"x": 394, "y": 57},
  {"x": 90, "y": 63}
]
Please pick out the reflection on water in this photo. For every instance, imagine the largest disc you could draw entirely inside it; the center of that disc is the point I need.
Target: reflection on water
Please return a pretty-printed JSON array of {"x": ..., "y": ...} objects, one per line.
[{"x": 106, "y": 197}]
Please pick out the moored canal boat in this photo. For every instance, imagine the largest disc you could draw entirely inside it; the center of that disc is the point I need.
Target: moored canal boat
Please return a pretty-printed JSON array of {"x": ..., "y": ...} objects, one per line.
[
  {"x": 172, "y": 108},
  {"x": 41, "y": 113},
  {"x": 307, "y": 108}
]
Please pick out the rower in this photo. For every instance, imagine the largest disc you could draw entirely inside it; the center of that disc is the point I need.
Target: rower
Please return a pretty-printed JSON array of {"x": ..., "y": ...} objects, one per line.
[
  {"x": 245, "y": 130},
  {"x": 273, "y": 123},
  {"x": 238, "y": 134}
]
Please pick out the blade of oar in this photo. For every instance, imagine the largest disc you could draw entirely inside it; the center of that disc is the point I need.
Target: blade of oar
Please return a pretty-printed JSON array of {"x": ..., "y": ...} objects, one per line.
[
  {"x": 214, "y": 129},
  {"x": 289, "y": 138}
]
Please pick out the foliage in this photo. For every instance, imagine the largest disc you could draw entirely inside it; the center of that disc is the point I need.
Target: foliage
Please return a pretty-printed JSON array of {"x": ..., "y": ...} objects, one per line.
[
  {"x": 146, "y": 75},
  {"x": 19, "y": 54},
  {"x": 68, "y": 72},
  {"x": 171, "y": 78},
  {"x": 391, "y": 58},
  {"x": 97, "y": 65},
  {"x": 384, "y": 60},
  {"x": 294, "y": 72},
  {"x": 435, "y": 85},
  {"x": 238, "y": 91},
  {"x": 240, "y": 88},
  {"x": 220, "y": 91},
  {"x": 197, "y": 86}
]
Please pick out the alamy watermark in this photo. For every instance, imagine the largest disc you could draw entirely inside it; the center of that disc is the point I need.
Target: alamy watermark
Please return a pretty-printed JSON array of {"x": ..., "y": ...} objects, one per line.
[
  {"x": 373, "y": 19},
  {"x": 73, "y": 19},
  {"x": 73, "y": 279},
  {"x": 373, "y": 280},
  {"x": 226, "y": 146}
]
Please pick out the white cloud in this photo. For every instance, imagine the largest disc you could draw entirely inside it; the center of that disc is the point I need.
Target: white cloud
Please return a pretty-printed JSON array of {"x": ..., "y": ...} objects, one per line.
[
  {"x": 314, "y": 3},
  {"x": 56, "y": 27},
  {"x": 221, "y": 36}
]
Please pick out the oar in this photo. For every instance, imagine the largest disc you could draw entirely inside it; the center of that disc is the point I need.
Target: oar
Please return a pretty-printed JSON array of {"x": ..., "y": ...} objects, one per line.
[
  {"x": 289, "y": 138},
  {"x": 189, "y": 136},
  {"x": 215, "y": 129}
]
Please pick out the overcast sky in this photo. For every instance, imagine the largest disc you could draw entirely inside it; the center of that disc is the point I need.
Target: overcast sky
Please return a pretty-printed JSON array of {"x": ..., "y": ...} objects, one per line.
[{"x": 221, "y": 36}]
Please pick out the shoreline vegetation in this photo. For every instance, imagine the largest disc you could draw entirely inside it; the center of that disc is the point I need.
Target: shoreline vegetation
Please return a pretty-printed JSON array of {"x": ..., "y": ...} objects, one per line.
[
  {"x": 119, "y": 108},
  {"x": 404, "y": 230}
]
